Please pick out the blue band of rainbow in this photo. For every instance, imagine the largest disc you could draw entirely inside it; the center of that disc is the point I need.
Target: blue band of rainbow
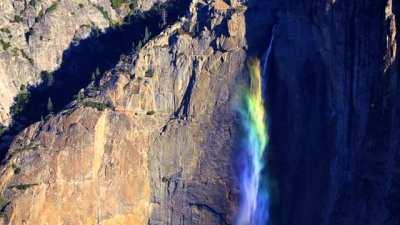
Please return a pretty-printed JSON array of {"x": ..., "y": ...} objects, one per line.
[{"x": 254, "y": 206}]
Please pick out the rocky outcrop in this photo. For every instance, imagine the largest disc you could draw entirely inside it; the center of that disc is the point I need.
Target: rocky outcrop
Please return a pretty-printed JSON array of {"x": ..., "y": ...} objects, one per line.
[
  {"x": 35, "y": 33},
  {"x": 148, "y": 145},
  {"x": 152, "y": 141}
]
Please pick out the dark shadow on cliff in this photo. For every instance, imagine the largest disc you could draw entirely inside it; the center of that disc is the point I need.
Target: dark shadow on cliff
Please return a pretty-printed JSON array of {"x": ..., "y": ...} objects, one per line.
[
  {"x": 333, "y": 112},
  {"x": 298, "y": 118},
  {"x": 84, "y": 62},
  {"x": 299, "y": 123},
  {"x": 261, "y": 18},
  {"x": 393, "y": 197}
]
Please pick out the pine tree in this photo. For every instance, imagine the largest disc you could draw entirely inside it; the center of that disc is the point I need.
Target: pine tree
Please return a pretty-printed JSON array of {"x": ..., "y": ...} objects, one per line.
[
  {"x": 50, "y": 79},
  {"x": 50, "y": 106},
  {"x": 138, "y": 46},
  {"x": 146, "y": 34},
  {"x": 97, "y": 72},
  {"x": 164, "y": 16},
  {"x": 80, "y": 96}
]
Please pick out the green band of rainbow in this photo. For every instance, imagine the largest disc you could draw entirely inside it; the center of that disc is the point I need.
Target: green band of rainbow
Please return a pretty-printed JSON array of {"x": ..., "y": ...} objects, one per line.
[{"x": 255, "y": 198}]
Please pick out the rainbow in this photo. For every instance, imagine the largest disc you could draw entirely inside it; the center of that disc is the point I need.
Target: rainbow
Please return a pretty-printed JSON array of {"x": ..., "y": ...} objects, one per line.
[{"x": 254, "y": 205}]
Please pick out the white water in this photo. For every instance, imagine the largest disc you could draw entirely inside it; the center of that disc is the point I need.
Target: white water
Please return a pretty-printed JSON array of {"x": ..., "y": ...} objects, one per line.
[{"x": 267, "y": 55}]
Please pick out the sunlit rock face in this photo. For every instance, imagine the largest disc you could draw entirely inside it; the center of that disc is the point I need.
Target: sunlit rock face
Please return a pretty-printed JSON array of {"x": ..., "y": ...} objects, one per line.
[
  {"x": 154, "y": 139},
  {"x": 160, "y": 155},
  {"x": 35, "y": 33}
]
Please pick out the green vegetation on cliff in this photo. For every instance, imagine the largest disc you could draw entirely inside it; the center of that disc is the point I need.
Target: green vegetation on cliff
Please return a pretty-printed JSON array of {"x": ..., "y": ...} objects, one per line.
[
  {"x": 118, "y": 3},
  {"x": 97, "y": 105},
  {"x": 20, "y": 100},
  {"x": 22, "y": 187}
]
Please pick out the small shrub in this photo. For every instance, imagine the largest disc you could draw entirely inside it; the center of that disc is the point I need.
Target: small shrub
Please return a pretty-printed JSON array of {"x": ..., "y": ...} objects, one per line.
[
  {"x": 3, "y": 204},
  {"x": 18, "y": 19},
  {"x": 17, "y": 169},
  {"x": 133, "y": 4},
  {"x": 104, "y": 13},
  {"x": 20, "y": 101},
  {"x": 116, "y": 4},
  {"x": 81, "y": 5},
  {"x": 149, "y": 113},
  {"x": 28, "y": 147},
  {"x": 79, "y": 97},
  {"x": 5, "y": 30},
  {"x": 40, "y": 15},
  {"x": 2, "y": 129},
  {"x": 164, "y": 179},
  {"x": 3, "y": 201},
  {"x": 149, "y": 73},
  {"x": 32, "y": 3},
  {"x": 240, "y": 9},
  {"x": 5, "y": 45},
  {"x": 97, "y": 105},
  {"x": 26, "y": 56},
  {"x": 181, "y": 31},
  {"x": 15, "y": 52},
  {"x": 52, "y": 7},
  {"x": 22, "y": 187}
]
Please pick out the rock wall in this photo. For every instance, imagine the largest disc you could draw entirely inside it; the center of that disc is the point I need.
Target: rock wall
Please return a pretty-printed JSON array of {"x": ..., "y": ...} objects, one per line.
[
  {"x": 333, "y": 106},
  {"x": 160, "y": 155},
  {"x": 35, "y": 33},
  {"x": 153, "y": 142}
]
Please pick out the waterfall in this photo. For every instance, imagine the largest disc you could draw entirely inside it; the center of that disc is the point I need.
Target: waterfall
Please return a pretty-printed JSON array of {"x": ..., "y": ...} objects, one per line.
[
  {"x": 267, "y": 54},
  {"x": 254, "y": 205}
]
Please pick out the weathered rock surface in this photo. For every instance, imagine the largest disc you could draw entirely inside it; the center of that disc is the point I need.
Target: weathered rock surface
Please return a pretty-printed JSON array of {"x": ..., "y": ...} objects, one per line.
[
  {"x": 35, "y": 33},
  {"x": 160, "y": 155},
  {"x": 158, "y": 149}
]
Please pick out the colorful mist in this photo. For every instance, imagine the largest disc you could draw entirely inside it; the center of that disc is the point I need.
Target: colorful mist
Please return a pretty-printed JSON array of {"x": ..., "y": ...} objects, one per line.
[{"x": 254, "y": 206}]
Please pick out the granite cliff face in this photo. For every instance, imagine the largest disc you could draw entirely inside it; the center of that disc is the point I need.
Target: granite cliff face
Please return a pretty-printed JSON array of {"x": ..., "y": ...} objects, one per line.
[
  {"x": 35, "y": 33},
  {"x": 153, "y": 140},
  {"x": 145, "y": 158},
  {"x": 334, "y": 112}
]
